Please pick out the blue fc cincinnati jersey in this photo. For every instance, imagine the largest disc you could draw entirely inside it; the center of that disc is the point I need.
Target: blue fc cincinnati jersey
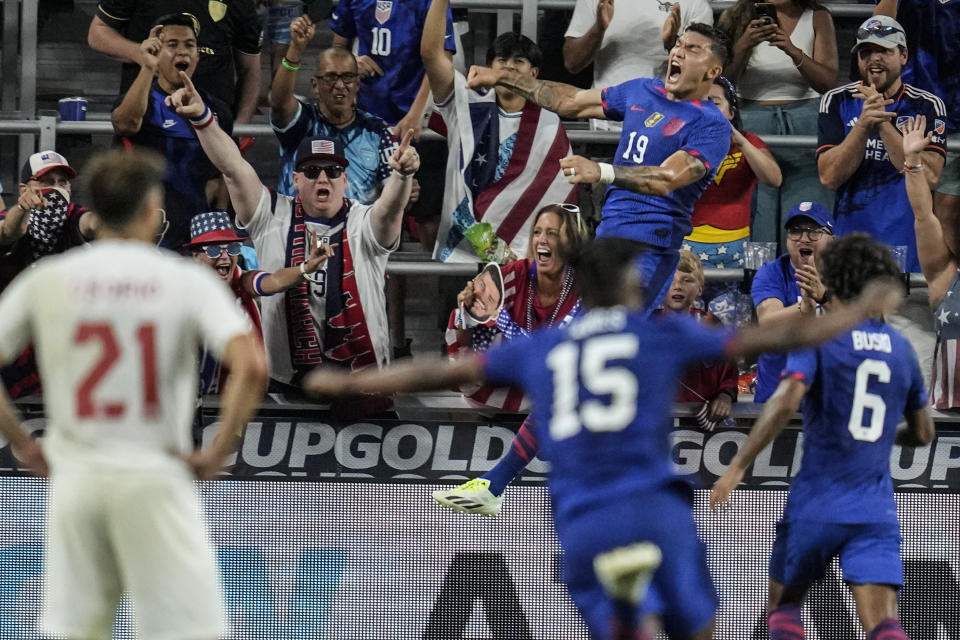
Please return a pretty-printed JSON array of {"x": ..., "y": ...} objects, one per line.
[
  {"x": 874, "y": 198},
  {"x": 602, "y": 390},
  {"x": 654, "y": 128},
  {"x": 367, "y": 145},
  {"x": 933, "y": 40},
  {"x": 777, "y": 280},
  {"x": 389, "y": 32},
  {"x": 860, "y": 385}
]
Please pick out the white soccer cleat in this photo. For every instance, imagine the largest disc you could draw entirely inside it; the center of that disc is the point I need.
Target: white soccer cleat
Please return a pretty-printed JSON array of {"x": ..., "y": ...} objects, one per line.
[
  {"x": 473, "y": 496},
  {"x": 625, "y": 572}
]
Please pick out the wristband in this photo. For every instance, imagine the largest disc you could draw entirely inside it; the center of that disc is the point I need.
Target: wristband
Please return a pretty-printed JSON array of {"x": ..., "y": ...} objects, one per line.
[
  {"x": 290, "y": 66},
  {"x": 303, "y": 272},
  {"x": 606, "y": 173},
  {"x": 913, "y": 168},
  {"x": 258, "y": 284},
  {"x": 203, "y": 121}
]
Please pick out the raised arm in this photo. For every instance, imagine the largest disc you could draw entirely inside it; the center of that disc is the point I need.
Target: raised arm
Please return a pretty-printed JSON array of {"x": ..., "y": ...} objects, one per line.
[
  {"x": 679, "y": 170},
  {"x": 436, "y": 61},
  {"x": 127, "y": 117},
  {"x": 820, "y": 71},
  {"x": 247, "y": 363},
  {"x": 242, "y": 182},
  {"x": 107, "y": 40},
  {"x": 386, "y": 217},
  {"x": 283, "y": 279},
  {"x": 14, "y": 225},
  {"x": 428, "y": 374},
  {"x": 580, "y": 51},
  {"x": 761, "y": 161},
  {"x": 565, "y": 100},
  {"x": 936, "y": 260},
  {"x": 283, "y": 103},
  {"x": 837, "y": 164},
  {"x": 774, "y": 417}
]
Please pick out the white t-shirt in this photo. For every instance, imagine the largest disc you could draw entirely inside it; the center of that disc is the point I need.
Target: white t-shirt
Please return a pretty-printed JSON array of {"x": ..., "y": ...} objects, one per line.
[
  {"x": 117, "y": 326},
  {"x": 632, "y": 46},
  {"x": 269, "y": 227}
]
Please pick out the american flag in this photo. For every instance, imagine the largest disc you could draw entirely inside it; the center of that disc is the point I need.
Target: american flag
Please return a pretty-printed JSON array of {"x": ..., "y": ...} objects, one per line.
[
  {"x": 384, "y": 7},
  {"x": 209, "y": 221},
  {"x": 322, "y": 146}
]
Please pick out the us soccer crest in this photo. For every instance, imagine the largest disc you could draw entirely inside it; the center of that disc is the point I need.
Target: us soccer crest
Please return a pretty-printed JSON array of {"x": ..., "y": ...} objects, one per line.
[
  {"x": 384, "y": 7},
  {"x": 653, "y": 120}
]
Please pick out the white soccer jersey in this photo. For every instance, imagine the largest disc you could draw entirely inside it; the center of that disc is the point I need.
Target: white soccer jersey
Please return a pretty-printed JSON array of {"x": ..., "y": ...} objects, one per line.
[{"x": 117, "y": 326}]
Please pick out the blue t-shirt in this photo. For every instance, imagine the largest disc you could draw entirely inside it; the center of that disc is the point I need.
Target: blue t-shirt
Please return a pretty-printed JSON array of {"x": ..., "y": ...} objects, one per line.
[
  {"x": 389, "y": 32},
  {"x": 776, "y": 279},
  {"x": 874, "y": 198},
  {"x": 860, "y": 385},
  {"x": 933, "y": 40},
  {"x": 654, "y": 128},
  {"x": 367, "y": 145},
  {"x": 602, "y": 390}
]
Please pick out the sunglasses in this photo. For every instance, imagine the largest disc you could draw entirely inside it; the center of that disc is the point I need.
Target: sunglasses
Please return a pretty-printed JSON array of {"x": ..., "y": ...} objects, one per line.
[
  {"x": 213, "y": 251},
  {"x": 876, "y": 29},
  {"x": 570, "y": 208},
  {"x": 312, "y": 172}
]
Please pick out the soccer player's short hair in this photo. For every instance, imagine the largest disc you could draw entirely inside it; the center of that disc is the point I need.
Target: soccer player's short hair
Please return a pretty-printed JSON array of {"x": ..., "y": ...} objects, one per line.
[
  {"x": 602, "y": 268},
  {"x": 849, "y": 262},
  {"x": 512, "y": 44},
  {"x": 690, "y": 263},
  {"x": 117, "y": 182},
  {"x": 720, "y": 43}
]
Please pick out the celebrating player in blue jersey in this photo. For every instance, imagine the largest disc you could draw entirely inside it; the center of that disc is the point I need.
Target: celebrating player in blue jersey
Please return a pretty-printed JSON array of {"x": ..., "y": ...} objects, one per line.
[
  {"x": 673, "y": 139},
  {"x": 856, "y": 386},
  {"x": 602, "y": 389}
]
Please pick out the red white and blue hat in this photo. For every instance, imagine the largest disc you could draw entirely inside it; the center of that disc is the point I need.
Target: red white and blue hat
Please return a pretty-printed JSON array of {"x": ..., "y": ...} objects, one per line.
[
  {"x": 321, "y": 149},
  {"x": 43, "y": 161},
  {"x": 210, "y": 227}
]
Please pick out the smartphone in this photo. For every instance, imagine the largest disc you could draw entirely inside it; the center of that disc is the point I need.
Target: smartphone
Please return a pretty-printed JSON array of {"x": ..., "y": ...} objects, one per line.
[
  {"x": 766, "y": 12},
  {"x": 318, "y": 10}
]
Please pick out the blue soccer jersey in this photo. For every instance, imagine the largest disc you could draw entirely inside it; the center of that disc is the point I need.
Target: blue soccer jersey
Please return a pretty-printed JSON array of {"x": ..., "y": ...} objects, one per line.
[
  {"x": 367, "y": 145},
  {"x": 389, "y": 32},
  {"x": 860, "y": 385},
  {"x": 775, "y": 280},
  {"x": 874, "y": 198},
  {"x": 602, "y": 390},
  {"x": 654, "y": 128}
]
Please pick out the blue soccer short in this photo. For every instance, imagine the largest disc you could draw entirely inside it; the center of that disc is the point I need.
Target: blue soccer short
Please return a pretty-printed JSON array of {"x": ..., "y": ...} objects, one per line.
[
  {"x": 869, "y": 552},
  {"x": 656, "y": 267},
  {"x": 685, "y": 596}
]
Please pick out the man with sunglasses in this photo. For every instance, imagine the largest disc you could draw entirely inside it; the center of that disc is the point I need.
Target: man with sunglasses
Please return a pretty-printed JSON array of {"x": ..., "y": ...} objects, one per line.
[
  {"x": 859, "y": 152},
  {"x": 215, "y": 243},
  {"x": 366, "y": 141},
  {"x": 338, "y": 314},
  {"x": 790, "y": 285}
]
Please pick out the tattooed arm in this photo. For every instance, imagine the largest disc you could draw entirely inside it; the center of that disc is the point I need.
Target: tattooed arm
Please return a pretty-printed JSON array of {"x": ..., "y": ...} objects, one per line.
[
  {"x": 565, "y": 100},
  {"x": 679, "y": 170}
]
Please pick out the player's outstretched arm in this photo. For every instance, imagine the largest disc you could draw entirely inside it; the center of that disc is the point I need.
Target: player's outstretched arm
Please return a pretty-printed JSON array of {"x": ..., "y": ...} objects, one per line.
[
  {"x": 774, "y": 417},
  {"x": 432, "y": 374},
  {"x": 919, "y": 431},
  {"x": 243, "y": 184},
  {"x": 879, "y": 296},
  {"x": 245, "y": 358},
  {"x": 679, "y": 170},
  {"x": 24, "y": 447},
  {"x": 565, "y": 100}
]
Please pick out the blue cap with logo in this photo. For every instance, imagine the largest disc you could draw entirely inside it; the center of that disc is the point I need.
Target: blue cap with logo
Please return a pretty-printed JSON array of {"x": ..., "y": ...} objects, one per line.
[{"x": 815, "y": 211}]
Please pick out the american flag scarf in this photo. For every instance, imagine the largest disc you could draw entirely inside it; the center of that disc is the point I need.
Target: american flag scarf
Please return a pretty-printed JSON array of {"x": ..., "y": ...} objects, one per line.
[{"x": 532, "y": 178}]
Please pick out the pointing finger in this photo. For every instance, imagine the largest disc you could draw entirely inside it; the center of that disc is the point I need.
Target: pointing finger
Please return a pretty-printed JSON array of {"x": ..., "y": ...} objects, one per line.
[{"x": 405, "y": 143}]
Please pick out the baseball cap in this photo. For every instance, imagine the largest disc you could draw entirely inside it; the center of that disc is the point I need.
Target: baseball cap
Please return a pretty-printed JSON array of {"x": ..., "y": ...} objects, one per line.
[
  {"x": 43, "y": 161},
  {"x": 815, "y": 211},
  {"x": 883, "y": 31},
  {"x": 320, "y": 149},
  {"x": 211, "y": 226}
]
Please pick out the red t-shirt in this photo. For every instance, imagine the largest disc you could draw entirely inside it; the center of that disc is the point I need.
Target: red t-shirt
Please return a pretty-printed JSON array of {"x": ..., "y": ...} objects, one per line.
[{"x": 726, "y": 202}]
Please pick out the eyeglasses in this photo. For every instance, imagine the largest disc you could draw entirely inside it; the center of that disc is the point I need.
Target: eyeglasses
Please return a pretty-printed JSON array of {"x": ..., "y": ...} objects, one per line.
[
  {"x": 164, "y": 225},
  {"x": 213, "y": 251},
  {"x": 330, "y": 79},
  {"x": 312, "y": 172},
  {"x": 812, "y": 234},
  {"x": 876, "y": 29}
]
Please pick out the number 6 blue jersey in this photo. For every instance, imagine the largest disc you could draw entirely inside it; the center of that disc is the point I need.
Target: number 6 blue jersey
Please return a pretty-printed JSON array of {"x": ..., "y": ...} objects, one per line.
[
  {"x": 602, "y": 390},
  {"x": 860, "y": 385},
  {"x": 654, "y": 128}
]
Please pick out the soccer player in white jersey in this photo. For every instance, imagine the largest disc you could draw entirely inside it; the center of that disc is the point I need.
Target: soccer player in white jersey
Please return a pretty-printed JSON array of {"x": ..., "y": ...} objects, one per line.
[{"x": 117, "y": 326}]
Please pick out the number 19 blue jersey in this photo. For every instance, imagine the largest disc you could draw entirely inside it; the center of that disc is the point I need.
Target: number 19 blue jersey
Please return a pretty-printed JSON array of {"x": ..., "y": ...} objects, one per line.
[
  {"x": 602, "y": 390},
  {"x": 654, "y": 128},
  {"x": 860, "y": 384}
]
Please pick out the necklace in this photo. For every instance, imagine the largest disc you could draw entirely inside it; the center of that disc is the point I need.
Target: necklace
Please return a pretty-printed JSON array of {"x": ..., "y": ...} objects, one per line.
[{"x": 564, "y": 291}]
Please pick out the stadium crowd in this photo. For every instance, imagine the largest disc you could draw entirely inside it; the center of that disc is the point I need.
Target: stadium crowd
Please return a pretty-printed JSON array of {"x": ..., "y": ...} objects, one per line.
[{"x": 689, "y": 185}]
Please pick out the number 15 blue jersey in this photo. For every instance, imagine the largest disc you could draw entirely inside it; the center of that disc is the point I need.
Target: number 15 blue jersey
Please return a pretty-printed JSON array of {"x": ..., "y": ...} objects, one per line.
[
  {"x": 860, "y": 384},
  {"x": 602, "y": 390}
]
